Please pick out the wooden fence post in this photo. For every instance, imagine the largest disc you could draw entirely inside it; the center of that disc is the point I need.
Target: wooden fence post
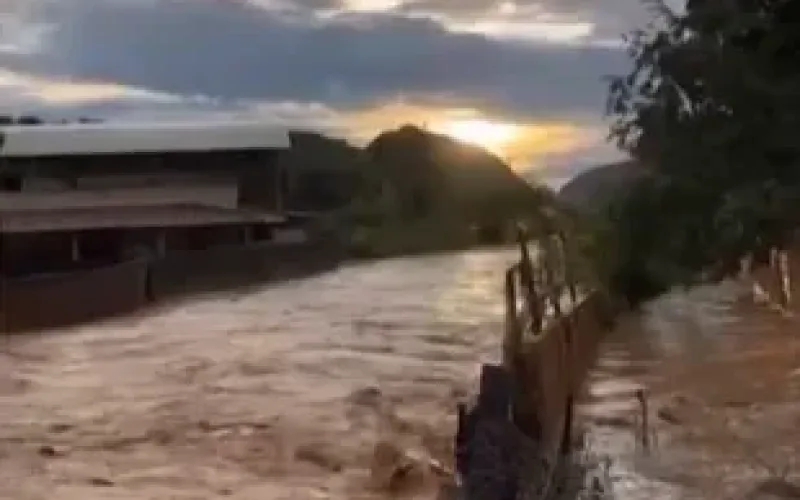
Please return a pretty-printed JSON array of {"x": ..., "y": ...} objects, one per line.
[{"x": 784, "y": 279}]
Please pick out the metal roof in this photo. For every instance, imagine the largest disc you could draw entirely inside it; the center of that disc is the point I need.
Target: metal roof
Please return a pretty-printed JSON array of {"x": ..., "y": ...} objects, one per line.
[
  {"x": 31, "y": 221},
  {"x": 121, "y": 138}
]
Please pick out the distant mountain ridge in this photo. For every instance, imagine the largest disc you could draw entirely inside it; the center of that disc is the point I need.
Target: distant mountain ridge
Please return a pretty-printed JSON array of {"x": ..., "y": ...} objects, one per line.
[
  {"x": 431, "y": 172},
  {"x": 407, "y": 191},
  {"x": 467, "y": 177},
  {"x": 595, "y": 189},
  {"x": 412, "y": 191}
]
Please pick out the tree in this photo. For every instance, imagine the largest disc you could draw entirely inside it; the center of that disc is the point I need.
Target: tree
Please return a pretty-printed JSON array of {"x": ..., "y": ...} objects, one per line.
[{"x": 712, "y": 108}]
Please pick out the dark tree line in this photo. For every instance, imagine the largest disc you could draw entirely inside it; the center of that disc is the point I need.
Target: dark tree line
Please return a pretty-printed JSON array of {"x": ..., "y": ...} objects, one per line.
[
  {"x": 35, "y": 120},
  {"x": 711, "y": 109}
]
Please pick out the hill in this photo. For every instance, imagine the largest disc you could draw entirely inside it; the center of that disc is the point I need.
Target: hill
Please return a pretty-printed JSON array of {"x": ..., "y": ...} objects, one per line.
[
  {"x": 435, "y": 173},
  {"x": 594, "y": 190},
  {"x": 410, "y": 190}
]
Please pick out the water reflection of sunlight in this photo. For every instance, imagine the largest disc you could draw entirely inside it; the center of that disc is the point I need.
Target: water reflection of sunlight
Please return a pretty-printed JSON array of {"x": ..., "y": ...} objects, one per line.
[
  {"x": 692, "y": 323},
  {"x": 475, "y": 291}
]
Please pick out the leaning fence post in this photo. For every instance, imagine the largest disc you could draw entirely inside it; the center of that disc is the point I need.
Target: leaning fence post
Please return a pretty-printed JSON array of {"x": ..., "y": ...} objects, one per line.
[
  {"x": 784, "y": 279},
  {"x": 512, "y": 338},
  {"x": 569, "y": 275},
  {"x": 526, "y": 276}
]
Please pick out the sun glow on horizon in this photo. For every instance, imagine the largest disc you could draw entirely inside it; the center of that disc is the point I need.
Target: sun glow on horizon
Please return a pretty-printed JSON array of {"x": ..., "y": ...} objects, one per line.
[
  {"x": 521, "y": 144},
  {"x": 493, "y": 136}
]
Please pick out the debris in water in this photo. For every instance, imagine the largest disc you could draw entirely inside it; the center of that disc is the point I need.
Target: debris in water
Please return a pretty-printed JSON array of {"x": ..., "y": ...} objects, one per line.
[
  {"x": 101, "y": 481},
  {"x": 393, "y": 470},
  {"x": 367, "y": 396},
  {"x": 50, "y": 451}
]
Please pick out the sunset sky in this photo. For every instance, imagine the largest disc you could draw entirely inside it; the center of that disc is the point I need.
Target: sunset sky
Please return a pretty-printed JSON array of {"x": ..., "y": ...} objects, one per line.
[{"x": 522, "y": 78}]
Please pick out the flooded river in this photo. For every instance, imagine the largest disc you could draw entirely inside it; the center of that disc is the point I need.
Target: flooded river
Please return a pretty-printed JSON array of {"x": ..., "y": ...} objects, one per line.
[
  {"x": 279, "y": 393},
  {"x": 286, "y": 392}
]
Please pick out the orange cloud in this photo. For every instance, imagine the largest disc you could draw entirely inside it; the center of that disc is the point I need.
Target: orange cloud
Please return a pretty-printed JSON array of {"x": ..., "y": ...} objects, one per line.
[{"x": 519, "y": 143}]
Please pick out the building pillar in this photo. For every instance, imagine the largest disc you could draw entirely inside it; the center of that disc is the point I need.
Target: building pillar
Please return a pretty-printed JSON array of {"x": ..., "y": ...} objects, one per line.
[
  {"x": 161, "y": 243},
  {"x": 75, "y": 246},
  {"x": 247, "y": 234},
  {"x": 278, "y": 187},
  {"x": 3, "y": 302}
]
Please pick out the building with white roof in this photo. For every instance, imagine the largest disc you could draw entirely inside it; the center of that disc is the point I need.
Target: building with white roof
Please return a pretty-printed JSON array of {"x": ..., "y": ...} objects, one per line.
[{"x": 157, "y": 184}]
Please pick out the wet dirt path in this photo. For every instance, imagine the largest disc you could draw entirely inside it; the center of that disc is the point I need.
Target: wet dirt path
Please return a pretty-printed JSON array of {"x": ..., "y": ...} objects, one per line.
[{"x": 723, "y": 382}]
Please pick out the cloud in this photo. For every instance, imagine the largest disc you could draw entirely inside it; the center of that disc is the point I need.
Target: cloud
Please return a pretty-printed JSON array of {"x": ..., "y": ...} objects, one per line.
[
  {"x": 557, "y": 167},
  {"x": 58, "y": 99},
  {"x": 235, "y": 51},
  {"x": 355, "y": 66},
  {"x": 582, "y": 20},
  {"x": 611, "y": 17}
]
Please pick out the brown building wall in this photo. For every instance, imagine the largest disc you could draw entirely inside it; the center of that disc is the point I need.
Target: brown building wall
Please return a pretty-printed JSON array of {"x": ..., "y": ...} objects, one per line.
[
  {"x": 67, "y": 298},
  {"x": 73, "y": 297},
  {"x": 25, "y": 253},
  {"x": 231, "y": 266}
]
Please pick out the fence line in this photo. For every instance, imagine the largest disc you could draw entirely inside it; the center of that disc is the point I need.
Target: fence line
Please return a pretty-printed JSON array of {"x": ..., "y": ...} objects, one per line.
[{"x": 545, "y": 358}]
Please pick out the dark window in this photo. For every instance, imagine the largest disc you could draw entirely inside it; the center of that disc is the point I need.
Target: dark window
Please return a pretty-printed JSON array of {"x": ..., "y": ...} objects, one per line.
[{"x": 10, "y": 183}]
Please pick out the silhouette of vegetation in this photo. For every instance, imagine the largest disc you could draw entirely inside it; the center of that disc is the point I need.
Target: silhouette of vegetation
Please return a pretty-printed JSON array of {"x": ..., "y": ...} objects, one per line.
[
  {"x": 412, "y": 191},
  {"x": 35, "y": 120},
  {"x": 710, "y": 111}
]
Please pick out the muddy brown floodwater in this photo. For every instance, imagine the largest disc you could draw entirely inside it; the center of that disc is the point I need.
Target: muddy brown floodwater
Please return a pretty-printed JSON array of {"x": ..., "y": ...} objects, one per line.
[
  {"x": 278, "y": 393},
  {"x": 722, "y": 378},
  {"x": 287, "y": 392}
]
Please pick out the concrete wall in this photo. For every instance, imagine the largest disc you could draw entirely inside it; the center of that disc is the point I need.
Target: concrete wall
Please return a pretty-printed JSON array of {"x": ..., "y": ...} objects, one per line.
[
  {"x": 231, "y": 266},
  {"x": 66, "y": 298},
  {"x": 555, "y": 365}
]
